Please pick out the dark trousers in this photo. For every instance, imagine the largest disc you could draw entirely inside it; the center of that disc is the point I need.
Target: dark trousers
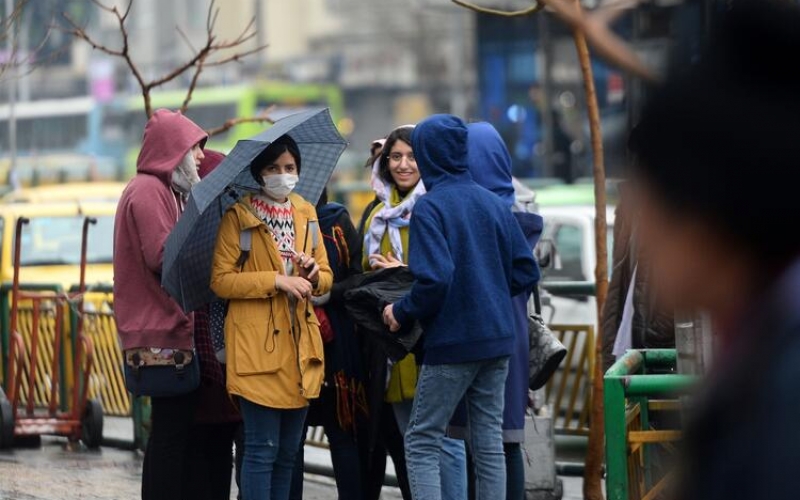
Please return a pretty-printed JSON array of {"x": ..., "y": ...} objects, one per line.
[
  {"x": 164, "y": 471},
  {"x": 345, "y": 459},
  {"x": 210, "y": 461},
  {"x": 515, "y": 473},
  {"x": 374, "y": 461}
]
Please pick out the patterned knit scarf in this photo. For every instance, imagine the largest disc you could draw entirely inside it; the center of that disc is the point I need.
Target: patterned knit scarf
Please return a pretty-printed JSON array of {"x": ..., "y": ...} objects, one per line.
[
  {"x": 280, "y": 221},
  {"x": 389, "y": 219}
]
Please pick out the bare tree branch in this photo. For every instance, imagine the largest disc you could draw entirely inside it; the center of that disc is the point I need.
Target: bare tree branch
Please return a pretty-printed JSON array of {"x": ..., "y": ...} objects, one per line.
[
  {"x": 190, "y": 91},
  {"x": 199, "y": 60},
  {"x": 185, "y": 38},
  {"x": 32, "y": 58},
  {"x": 124, "y": 52},
  {"x": 537, "y": 6},
  {"x": 7, "y": 24},
  {"x": 100, "y": 5},
  {"x": 236, "y": 57},
  {"x": 229, "y": 124},
  {"x": 596, "y": 28}
]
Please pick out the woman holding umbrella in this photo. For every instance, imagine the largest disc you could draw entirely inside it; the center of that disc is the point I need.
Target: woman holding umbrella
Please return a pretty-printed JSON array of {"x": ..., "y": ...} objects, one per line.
[{"x": 273, "y": 345}]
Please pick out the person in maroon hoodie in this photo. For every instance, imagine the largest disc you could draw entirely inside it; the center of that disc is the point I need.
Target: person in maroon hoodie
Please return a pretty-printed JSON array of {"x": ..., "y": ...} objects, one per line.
[{"x": 146, "y": 316}]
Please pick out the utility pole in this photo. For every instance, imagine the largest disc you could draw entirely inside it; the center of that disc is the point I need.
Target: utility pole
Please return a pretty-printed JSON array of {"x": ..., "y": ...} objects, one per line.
[{"x": 12, "y": 97}]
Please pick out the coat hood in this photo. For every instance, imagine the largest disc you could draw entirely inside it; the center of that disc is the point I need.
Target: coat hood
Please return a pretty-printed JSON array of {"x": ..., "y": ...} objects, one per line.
[
  {"x": 440, "y": 147},
  {"x": 168, "y": 136},
  {"x": 532, "y": 226},
  {"x": 489, "y": 161},
  {"x": 210, "y": 162},
  {"x": 329, "y": 213}
]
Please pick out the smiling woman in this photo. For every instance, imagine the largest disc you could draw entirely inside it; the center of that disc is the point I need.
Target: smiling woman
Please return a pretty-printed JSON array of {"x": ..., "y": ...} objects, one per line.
[{"x": 398, "y": 166}]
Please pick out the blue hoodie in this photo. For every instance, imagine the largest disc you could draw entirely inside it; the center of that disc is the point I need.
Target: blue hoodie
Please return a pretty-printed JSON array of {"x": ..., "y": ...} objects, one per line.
[
  {"x": 466, "y": 251},
  {"x": 490, "y": 166}
]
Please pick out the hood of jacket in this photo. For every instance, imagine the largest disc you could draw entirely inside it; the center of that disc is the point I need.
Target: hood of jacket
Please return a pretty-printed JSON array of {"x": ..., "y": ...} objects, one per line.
[
  {"x": 210, "y": 162},
  {"x": 532, "y": 226},
  {"x": 489, "y": 161},
  {"x": 440, "y": 147},
  {"x": 329, "y": 214},
  {"x": 168, "y": 136}
]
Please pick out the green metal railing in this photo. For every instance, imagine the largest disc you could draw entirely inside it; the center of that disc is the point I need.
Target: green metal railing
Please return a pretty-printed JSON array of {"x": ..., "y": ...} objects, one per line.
[{"x": 637, "y": 385}]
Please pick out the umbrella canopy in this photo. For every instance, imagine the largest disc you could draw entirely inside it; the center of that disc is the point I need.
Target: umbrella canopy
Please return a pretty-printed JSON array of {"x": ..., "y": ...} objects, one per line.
[{"x": 189, "y": 249}]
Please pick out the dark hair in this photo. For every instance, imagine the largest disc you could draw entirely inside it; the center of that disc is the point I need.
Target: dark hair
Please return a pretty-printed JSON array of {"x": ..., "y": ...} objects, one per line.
[
  {"x": 281, "y": 145},
  {"x": 398, "y": 134},
  {"x": 323, "y": 199},
  {"x": 720, "y": 141}
]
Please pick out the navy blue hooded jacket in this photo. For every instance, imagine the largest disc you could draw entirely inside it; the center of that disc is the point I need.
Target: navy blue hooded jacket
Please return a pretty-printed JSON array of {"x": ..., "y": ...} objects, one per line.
[
  {"x": 466, "y": 251},
  {"x": 490, "y": 166}
]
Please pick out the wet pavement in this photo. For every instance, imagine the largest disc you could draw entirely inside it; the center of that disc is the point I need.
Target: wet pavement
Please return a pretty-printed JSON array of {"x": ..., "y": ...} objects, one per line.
[{"x": 54, "y": 471}]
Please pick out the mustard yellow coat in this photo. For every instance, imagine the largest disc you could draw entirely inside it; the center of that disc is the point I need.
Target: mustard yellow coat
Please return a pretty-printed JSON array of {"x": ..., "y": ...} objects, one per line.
[
  {"x": 403, "y": 377},
  {"x": 268, "y": 362}
]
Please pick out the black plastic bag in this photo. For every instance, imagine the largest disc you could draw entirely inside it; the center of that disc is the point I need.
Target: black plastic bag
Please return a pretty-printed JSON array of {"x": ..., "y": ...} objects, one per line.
[{"x": 365, "y": 304}]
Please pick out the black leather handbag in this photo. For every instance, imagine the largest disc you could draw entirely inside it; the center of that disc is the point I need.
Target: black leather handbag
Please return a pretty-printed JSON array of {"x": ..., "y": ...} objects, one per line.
[{"x": 161, "y": 372}]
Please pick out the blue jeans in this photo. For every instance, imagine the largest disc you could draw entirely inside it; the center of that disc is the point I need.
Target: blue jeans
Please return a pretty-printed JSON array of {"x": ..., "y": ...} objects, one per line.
[
  {"x": 453, "y": 459},
  {"x": 271, "y": 438},
  {"x": 439, "y": 390}
]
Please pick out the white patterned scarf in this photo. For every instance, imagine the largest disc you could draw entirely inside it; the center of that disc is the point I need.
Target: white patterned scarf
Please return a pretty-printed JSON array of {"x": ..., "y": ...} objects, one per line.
[{"x": 389, "y": 218}]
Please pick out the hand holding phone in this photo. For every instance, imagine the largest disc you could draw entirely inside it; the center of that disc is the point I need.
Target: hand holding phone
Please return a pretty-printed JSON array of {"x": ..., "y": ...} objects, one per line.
[{"x": 307, "y": 266}]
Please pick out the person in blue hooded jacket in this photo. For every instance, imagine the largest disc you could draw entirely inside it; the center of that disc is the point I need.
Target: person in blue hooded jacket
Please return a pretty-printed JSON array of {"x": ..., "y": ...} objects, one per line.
[
  {"x": 490, "y": 166},
  {"x": 469, "y": 257}
]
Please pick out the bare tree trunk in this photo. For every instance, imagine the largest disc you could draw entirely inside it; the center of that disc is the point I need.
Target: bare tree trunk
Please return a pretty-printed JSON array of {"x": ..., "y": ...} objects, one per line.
[{"x": 592, "y": 479}]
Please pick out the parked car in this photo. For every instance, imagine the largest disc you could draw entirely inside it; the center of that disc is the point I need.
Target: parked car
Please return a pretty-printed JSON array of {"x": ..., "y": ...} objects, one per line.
[{"x": 571, "y": 230}]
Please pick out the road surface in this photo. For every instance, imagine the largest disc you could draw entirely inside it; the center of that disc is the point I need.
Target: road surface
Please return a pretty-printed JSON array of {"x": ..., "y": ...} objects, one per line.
[{"x": 56, "y": 472}]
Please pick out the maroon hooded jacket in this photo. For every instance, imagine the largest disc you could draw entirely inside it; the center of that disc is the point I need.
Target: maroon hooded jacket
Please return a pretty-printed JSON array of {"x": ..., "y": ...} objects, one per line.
[{"x": 148, "y": 209}]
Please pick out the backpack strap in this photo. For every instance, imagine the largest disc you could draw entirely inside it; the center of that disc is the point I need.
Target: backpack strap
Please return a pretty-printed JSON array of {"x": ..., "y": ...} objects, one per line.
[{"x": 245, "y": 245}]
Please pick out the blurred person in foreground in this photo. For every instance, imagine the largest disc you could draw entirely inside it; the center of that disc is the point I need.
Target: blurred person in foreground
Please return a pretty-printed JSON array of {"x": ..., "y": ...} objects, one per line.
[
  {"x": 469, "y": 257},
  {"x": 147, "y": 318},
  {"x": 717, "y": 177}
]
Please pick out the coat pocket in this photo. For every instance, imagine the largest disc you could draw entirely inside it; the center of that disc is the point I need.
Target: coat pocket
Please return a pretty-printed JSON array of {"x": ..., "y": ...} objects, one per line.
[
  {"x": 312, "y": 359},
  {"x": 257, "y": 350}
]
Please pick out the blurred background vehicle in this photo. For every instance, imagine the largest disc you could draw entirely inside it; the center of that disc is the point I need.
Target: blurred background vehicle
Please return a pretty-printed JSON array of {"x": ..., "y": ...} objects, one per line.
[
  {"x": 74, "y": 191},
  {"x": 572, "y": 231},
  {"x": 51, "y": 242}
]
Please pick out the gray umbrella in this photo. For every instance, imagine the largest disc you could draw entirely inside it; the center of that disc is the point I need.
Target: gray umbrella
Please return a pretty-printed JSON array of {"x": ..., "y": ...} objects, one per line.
[{"x": 189, "y": 249}]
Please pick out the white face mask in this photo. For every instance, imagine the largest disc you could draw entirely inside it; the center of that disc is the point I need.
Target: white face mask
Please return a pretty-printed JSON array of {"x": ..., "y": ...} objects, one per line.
[
  {"x": 185, "y": 175},
  {"x": 279, "y": 186}
]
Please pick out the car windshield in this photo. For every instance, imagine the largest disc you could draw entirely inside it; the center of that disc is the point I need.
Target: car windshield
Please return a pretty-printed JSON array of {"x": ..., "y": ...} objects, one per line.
[
  {"x": 50, "y": 241},
  {"x": 569, "y": 239}
]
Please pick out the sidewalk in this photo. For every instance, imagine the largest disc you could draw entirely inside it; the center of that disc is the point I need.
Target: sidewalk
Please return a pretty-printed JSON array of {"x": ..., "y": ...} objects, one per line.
[{"x": 122, "y": 429}]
